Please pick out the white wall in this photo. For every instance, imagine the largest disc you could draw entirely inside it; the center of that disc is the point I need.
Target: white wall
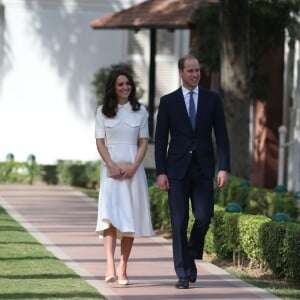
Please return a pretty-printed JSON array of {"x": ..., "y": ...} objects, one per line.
[{"x": 49, "y": 56}]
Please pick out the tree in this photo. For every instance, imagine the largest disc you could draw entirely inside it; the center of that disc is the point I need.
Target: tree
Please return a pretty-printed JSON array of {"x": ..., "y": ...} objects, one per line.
[
  {"x": 234, "y": 16},
  {"x": 232, "y": 38}
]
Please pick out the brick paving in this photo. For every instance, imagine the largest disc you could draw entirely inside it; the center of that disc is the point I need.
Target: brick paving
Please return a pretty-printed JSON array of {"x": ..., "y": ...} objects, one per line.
[{"x": 64, "y": 220}]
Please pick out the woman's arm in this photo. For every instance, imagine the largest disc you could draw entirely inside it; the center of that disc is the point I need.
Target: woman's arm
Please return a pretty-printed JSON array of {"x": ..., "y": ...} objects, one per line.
[
  {"x": 142, "y": 149},
  {"x": 110, "y": 164}
]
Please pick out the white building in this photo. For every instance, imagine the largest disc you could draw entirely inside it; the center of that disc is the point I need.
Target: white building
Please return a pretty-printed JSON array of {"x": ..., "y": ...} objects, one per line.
[{"x": 49, "y": 55}]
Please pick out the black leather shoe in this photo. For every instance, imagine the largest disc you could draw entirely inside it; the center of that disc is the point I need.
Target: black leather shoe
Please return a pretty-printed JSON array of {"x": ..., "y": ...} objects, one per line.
[
  {"x": 182, "y": 283},
  {"x": 193, "y": 276}
]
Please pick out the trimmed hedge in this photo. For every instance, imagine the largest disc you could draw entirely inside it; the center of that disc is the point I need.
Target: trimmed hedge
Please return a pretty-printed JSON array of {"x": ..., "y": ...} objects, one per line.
[
  {"x": 260, "y": 240},
  {"x": 74, "y": 173},
  {"x": 273, "y": 244},
  {"x": 281, "y": 248}
]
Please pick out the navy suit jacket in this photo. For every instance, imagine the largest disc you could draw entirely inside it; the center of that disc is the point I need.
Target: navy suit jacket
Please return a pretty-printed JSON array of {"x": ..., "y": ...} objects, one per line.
[{"x": 175, "y": 139}]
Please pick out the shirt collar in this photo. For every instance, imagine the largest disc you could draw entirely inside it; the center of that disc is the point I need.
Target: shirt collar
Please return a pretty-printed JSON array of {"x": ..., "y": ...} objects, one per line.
[
  {"x": 185, "y": 91},
  {"x": 126, "y": 106}
]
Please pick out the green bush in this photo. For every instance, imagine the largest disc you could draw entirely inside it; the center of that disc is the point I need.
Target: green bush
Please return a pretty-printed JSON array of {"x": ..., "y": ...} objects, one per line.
[
  {"x": 92, "y": 170},
  {"x": 225, "y": 241},
  {"x": 49, "y": 174},
  {"x": 254, "y": 200},
  {"x": 18, "y": 172},
  {"x": 291, "y": 252},
  {"x": 210, "y": 239},
  {"x": 76, "y": 173},
  {"x": 281, "y": 248},
  {"x": 159, "y": 209},
  {"x": 262, "y": 241},
  {"x": 249, "y": 240},
  {"x": 284, "y": 202}
]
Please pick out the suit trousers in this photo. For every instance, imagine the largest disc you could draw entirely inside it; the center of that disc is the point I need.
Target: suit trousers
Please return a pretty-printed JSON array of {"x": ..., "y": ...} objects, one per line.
[{"x": 199, "y": 190}]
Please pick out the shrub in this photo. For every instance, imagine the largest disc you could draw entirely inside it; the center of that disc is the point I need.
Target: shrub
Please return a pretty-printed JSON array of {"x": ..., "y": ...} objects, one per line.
[
  {"x": 77, "y": 173},
  {"x": 225, "y": 233},
  {"x": 159, "y": 209},
  {"x": 49, "y": 174},
  {"x": 249, "y": 239},
  {"x": 281, "y": 248},
  {"x": 254, "y": 200},
  {"x": 18, "y": 172}
]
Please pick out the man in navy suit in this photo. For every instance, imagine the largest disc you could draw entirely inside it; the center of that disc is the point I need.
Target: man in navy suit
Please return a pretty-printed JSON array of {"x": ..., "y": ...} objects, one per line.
[{"x": 185, "y": 163}]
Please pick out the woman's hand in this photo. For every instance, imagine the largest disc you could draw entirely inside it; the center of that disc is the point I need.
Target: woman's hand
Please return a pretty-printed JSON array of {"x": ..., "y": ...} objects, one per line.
[
  {"x": 114, "y": 171},
  {"x": 128, "y": 172}
]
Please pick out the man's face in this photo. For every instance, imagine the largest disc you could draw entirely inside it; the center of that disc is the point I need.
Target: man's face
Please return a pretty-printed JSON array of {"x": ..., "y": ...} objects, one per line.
[{"x": 190, "y": 74}]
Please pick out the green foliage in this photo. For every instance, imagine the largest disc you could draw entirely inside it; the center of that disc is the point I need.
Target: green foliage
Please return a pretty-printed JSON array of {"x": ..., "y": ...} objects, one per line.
[
  {"x": 159, "y": 209},
  {"x": 267, "y": 22},
  {"x": 29, "y": 271},
  {"x": 210, "y": 239},
  {"x": 250, "y": 241},
  {"x": 77, "y": 173},
  {"x": 18, "y": 172},
  {"x": 256, "y": 201},
  {"x": 262, "y": 241},
  {"x": 281, "y": 248},
  {"x": 291, "y": 251},
  {"x": 284, "y": 202},
  {"x": 49, "y": 174},
  {"x": 101, "y": 76},
  {"x": 234, "y": 191},
  {"x": 206, "y": 44},
  {"x": 225, "y": 240}
]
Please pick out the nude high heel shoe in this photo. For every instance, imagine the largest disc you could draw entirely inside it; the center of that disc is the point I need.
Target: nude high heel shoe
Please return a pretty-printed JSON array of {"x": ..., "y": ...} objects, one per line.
[
  {"x": 122, "y": 281},
  {"x": 109, "y": 279}
]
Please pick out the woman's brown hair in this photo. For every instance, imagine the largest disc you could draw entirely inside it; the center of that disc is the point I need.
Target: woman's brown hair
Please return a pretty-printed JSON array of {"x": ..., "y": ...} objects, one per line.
[{"x": 110, "y": 101}]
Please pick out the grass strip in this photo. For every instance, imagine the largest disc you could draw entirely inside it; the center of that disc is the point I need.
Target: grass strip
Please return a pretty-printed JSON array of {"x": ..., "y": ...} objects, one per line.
[
  {"x": 29, "y": 271},
  {"x": 284, "y": 289}
]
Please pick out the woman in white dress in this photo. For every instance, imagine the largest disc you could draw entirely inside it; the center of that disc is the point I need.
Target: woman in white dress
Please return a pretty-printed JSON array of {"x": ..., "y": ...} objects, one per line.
[{"x": 122, "y": 139}]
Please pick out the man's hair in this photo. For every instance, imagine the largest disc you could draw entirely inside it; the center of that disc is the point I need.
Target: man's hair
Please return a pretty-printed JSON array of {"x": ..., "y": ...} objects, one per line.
[{"x": 182, "y": 60}]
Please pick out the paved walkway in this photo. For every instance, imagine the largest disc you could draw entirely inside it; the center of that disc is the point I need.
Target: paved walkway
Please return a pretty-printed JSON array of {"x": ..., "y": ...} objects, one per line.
[{"x": 63, "y": 220}]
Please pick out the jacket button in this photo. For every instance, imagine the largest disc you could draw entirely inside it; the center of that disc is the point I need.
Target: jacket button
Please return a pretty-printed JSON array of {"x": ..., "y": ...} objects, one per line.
[{"x": 191, "y": 151}]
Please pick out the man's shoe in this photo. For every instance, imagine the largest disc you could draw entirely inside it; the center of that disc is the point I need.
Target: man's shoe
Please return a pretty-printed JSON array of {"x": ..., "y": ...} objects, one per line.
[
  {"x": 193, "y": 276},
  {"x": 182, "y": 283}
]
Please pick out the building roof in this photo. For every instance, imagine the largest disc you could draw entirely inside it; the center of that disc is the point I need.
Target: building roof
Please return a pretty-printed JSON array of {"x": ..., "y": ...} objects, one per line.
[{"x": 169, "y": 14}]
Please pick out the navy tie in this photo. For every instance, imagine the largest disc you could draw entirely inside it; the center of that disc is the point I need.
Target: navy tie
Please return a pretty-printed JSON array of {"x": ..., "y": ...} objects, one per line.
[{"x": 192, "y": 110}]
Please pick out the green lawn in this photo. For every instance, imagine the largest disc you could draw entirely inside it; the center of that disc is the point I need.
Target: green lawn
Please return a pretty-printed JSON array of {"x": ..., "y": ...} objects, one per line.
[
  {"x": 29, "y": 271},
  {"x": 284, "y": 289}
]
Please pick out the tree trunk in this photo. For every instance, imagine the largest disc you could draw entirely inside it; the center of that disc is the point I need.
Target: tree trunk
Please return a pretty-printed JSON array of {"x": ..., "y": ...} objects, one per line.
[{"x": 235, "y": 82}]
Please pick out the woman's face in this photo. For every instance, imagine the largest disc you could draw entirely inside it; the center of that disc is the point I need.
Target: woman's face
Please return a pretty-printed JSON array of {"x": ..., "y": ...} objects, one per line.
[{"x": 123, "y": 88}]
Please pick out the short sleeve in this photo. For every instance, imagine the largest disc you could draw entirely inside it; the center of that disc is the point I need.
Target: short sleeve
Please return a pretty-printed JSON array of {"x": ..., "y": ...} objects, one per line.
[
  {"x": 99, "y": 126},
  {"x": 144, "y": 130}
]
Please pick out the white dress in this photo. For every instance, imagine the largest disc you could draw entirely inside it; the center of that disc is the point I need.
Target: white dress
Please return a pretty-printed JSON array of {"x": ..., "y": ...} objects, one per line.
[{"x": 123, "y": 203}]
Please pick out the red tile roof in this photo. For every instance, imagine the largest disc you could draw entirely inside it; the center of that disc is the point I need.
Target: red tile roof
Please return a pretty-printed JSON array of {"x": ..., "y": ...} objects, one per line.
[{"x": 153, "y": 14}]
